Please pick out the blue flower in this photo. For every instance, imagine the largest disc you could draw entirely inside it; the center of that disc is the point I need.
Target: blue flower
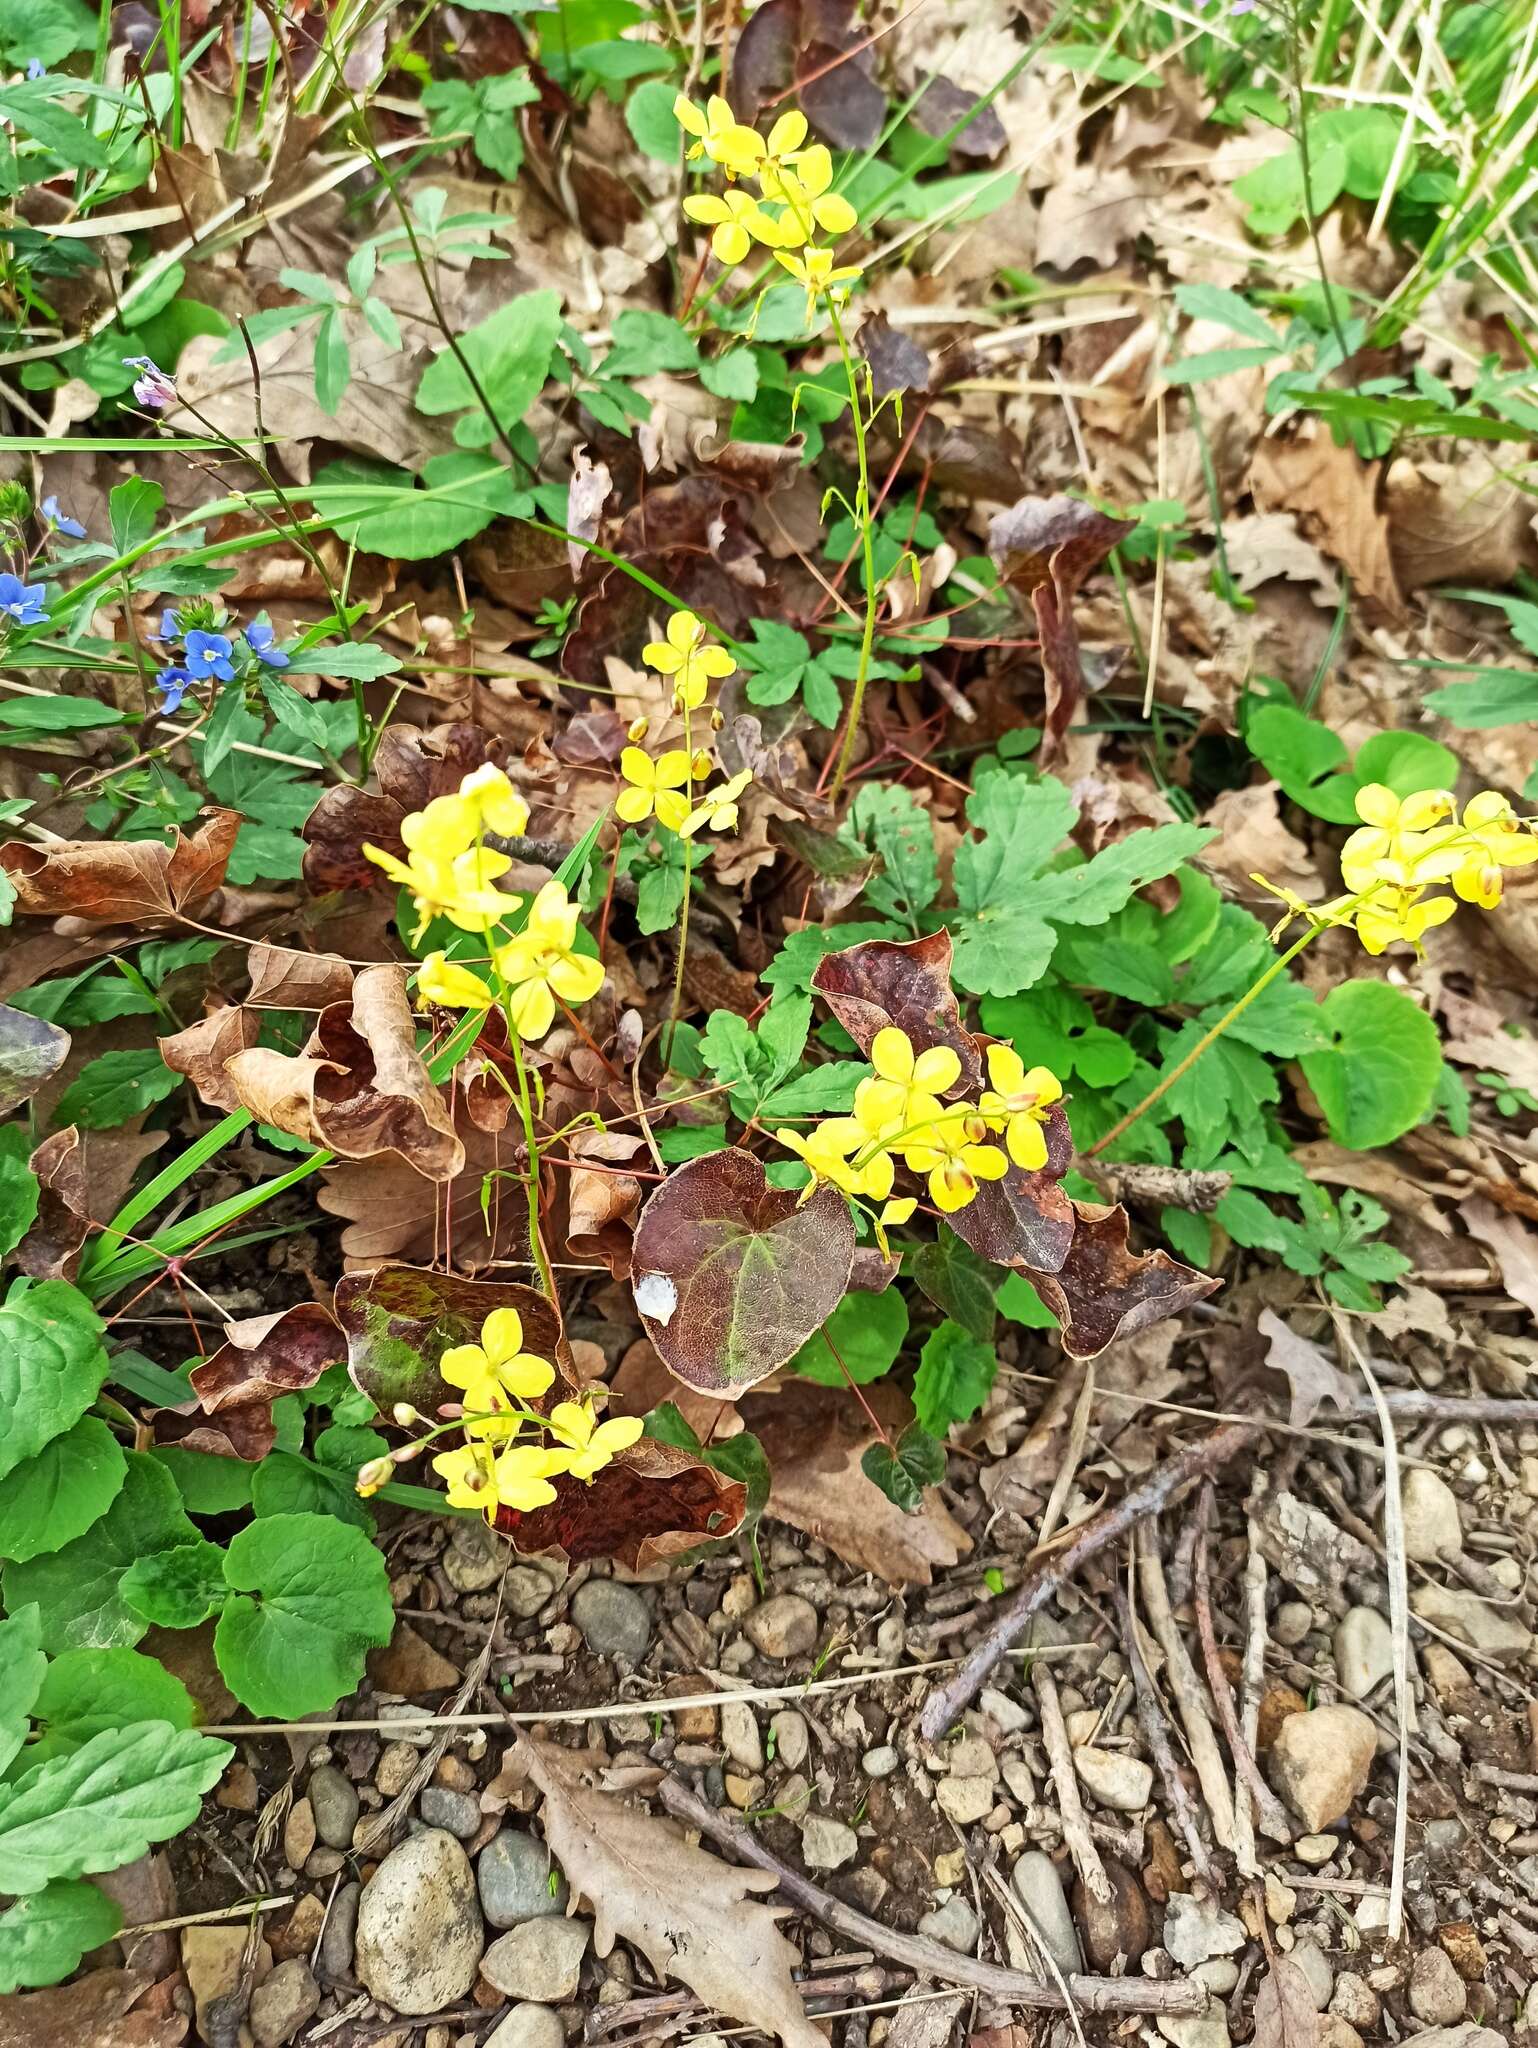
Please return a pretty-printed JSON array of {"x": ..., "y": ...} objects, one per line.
[
  {"x": 60, "y": 521},
  {"x": 170, "y": 627},
  {"x": 208, "y": 654},
  {"x": 36, "y": 68},
  {"x": 260, "y": 641},
  {"x": 22, "y": 602},
  {"x": 173, "y": 684}
]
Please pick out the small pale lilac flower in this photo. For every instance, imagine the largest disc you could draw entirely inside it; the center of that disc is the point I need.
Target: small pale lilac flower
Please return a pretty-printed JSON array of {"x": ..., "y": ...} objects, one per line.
[
  {"x": 36, "y": 68},
  {"x": 259, "y": 638},
  {"x": 208, "y": 654},
  {"x": 22, "y": 602},
  {"x": 173, "y": 684},
  {"x": 152, "y": 387},
  {"x": 61, "y": 521}
]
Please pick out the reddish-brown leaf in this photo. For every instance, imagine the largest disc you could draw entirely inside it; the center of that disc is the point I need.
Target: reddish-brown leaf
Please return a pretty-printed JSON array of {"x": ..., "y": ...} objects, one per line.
[
  {"x": 731, "y": 1275},
  {"x": 906, "y": 983},
  {"x": 411, "y": 768},
  {"x": 602, "y": 1200},
  {"x": 31, "y": 1052},
  {"x": 396, "y": 1215},
  {"x": 820, "y": 48},
  {"x": 1044, "y": 548},
  {"x": 1103, "y": 1290},
  {"x": 121, "y": 881},
  {"x": 1025, "y": 1219},
  {"x": 104, "y": 2009},
  {"x": 83, "y": 1177},
  {"x": 260, "y": 1359},
  {"x": 652, "y": 1503}
]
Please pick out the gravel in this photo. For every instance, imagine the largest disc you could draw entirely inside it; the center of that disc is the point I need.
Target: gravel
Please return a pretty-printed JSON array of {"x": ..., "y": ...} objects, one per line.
[{"x": 615, "y": 1620}]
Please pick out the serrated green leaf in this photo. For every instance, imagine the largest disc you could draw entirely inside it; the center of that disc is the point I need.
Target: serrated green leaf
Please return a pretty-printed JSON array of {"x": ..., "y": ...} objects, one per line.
[
  {"x": 22, "y": 1667},
  {"x": 1216, "y": 302},
  {"x": 48, "y": 1500},
  {"x": 1092, "y": 892},
  {"x": 178, "y": 1588},
  {"x": 322, "y": 1600},
  {"x": 1002, "y": 951},
  {"x": 734, "y": 375},
  {"x": 103, "y": 1805},
  {"x": 360, "y": 660},
  {"x": 1021, "y": 824},
  {"x": 87, "y": 1692},
  {"x": 918, "y": 1461},
  {"x": 866, "y": 1330},
  {"x": 647, "y": 342},
  {"x": 956, "y": 1371},
  {"x": 43, "y": 1937},
  {"x": 890, "y": 818},
  {"x": 52, "y": 1364}
]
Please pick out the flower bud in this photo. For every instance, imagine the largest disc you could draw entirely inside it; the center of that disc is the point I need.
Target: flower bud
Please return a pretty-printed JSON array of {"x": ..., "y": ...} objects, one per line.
[
  {"x": 405, "y": 1414},
  {"x": 637, "y": 730},
  {"x": 373, "y": 1475}
]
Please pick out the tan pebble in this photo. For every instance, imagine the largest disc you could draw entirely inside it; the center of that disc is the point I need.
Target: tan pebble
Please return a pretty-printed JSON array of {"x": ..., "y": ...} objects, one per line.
[
  {"x": 454, "y": 1772},
  {"x": 298, "y": 1834},
  {"x": 238, "y": 1790}
]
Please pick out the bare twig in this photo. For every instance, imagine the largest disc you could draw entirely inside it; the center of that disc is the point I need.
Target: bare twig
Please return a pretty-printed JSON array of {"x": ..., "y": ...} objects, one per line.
[
  {"x": 1089, "y": 1994},
  {"x": 1269, "y": 1809},
  {"x": 1038, "y": 1587},
  {"x": 1187, "y": 1688},
  {"x": 1253, "y": 1682},
  {"x": 1054, "y": 1737},
  {"x": 1156, "y": 1733}
]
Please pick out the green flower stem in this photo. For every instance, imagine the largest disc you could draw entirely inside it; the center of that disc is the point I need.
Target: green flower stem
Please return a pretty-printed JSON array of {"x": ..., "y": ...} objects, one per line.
[
  {"x": 683, "y": 916},
  {"x": 867, "y": 549}
]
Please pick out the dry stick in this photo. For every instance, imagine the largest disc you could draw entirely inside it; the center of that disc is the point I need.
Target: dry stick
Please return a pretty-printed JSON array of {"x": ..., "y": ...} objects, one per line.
[
  {"x": 1089, "y": 1994},
  {"x": 1252, "y": 1685},
  {"x": 1054, "y": 1736},
  {"x": 1187, "y": 1688},
  {"x": 1156, "y": 1732},
  {"x": 1269, "y": 1809},
  {"x": 1039, "y": 1585}
]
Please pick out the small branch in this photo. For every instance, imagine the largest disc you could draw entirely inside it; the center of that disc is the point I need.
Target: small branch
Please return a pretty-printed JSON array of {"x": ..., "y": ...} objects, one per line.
[
  {"x": 1039, "y": 1585},
  {"x": 1269, "y": 1809},
  {"x": 1253, "y": 1683},
  {"x": 1187, "y": 1688},
  {"x": 1089, "y": 1994},
  {"x": 1154, "y": 1723},
  {"x": 1171, "y": 1187},
  {"x": 1054, "y": 1736}
]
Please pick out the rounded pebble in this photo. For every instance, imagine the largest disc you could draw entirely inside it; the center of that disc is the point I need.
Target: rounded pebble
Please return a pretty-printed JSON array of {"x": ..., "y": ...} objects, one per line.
[{"x": 615, "y": 1620}]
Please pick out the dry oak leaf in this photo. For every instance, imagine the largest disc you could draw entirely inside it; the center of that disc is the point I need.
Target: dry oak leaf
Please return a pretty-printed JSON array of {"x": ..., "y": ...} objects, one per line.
[
  {"x": 1457, "y": 522},
  {"x": 814, "y": 1438},
  {"x": 83, "y": 1177},
  {"x": 284, "y": 979},
  {"x": 601, "y": 1199},
  {"x": 96, "y": 2011},
  {"x": 691, "y": 1915},
  {"x": 133, "y": 881},
  {"x": 359, "y": 1087},
  {"x": 1333, "y": 494}
]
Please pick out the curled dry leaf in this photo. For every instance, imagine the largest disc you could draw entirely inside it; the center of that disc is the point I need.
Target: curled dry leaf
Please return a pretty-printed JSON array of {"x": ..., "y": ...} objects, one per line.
[
  {"x": 602, "y": 1200},
  {"x": 1045, "y": 548},
  {"x": 692, "y": 1916},
  {"x": 1334, "y": 496},
  {"x": 31, "y": 1052},
  {"x": 814, "y": 1438},
  {"x": 649, "y": 1505},
  {"x": 82, "y": 1179},
  {"x": 1285, "y": 2013},
  {"x": 411, "y": 768},
  {"x": 260, "y": 1359},
  {"x": 359, "y": 1087},
  {"x": 121, "y": 881},
  {"x": 591, "y": 483},
  {"x": 907, "y": 984},
  {"x": 815, "y": 48},
  {"x": 98, "y": 2009},
  {"x": 283, "y": 979},
  {"x": 731, "y": 1276},
  {"x": 1312, "y": 1379},
  {"x": 395, "y": 1214},
  {"x": 202, "y": 1050},
  {"x": 1104, "y": 1290}
]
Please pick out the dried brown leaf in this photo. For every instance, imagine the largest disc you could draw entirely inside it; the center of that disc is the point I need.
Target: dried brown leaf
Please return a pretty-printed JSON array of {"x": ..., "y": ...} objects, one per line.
[
  {"x": 1457, "y": 522},
  {"x": 202, "y": 1050},
  {"x": 1285, "y": 2013},
  {"x": 31, "y": 1052},
  {"x": 83, "y": 1177},
  {"x": 260, "y": 1359},
  {"x": 1312, "y": 1379},
  {"x": 284, "y": 979},
  {"x": 650, "y": 1505},
  {"x": 97, "y": 2009},
  {"x": 1044, "y": 549},
  {"x": 692, "y": 1916},
  {"x": 121, "y": 881},
  {"x": 411, "y": 768},
  {"x": 602, "y": 1202},
  {"x": 1103, "y": 1290},
  {"x": 1333, "y": 494},
  {"x": 1514, "y": 1244},
  {"x": 908, "y": 983}
]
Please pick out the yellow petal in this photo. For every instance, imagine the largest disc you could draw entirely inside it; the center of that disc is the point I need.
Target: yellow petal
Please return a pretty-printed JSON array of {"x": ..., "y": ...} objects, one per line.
[
  {"x": 502, "y": 1335},
  {"x": 633, "y": 805},
  {"x": 788, "y": 133},
  {"x": 1377, "y": 805}
]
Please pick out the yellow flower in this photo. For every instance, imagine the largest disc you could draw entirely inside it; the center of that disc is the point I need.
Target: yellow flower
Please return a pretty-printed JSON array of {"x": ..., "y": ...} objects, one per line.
[
  {"x": 809, "y": 204},
  {"x": 786, "y": 138},
  {"x": 717, "y": 808},
  {"x": 1313, "y": 913},
  {"x": 815, "y": 271},
  {"x": 541, "y": 963},
  {"x": 907, "y": 1087},
  {"x": 1493, "y": 838},
  {"x": 1400, "y": 914},
  {"x": 656, "y": 787},
  {"x": 1403, "y": 840},
  {"x": 496, "y": 1373},
  {"x": 739, "y": 221},
  {"x": 953, "y": 1155},
  {"x": 459, "y": 887},
  {"x": 895, "y": 1212},
  {"x": 471, "y": 1476},
  {"x": 719, "y": 135},
  {"x": 684, "y": 656},
  {"x": 826, "y": 1150},
  {"x": 497, "y": 805},
  {"x": 523, "y": 1473},
  {"x": 592, "y": 1444},
  {"x": 1021, "y": 1102},
  {"x": 443, "y": 981}
]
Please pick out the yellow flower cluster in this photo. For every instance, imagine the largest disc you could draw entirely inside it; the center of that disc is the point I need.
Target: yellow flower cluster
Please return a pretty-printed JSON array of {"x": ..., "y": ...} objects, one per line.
[
  {"x": 491, "y": 1469},
  {"x": 899, "y": 1114},
  {"x": 796, "y": 202},
  {"x": 1408, "y": 845},
  {"x": 451, "y": 872},
  {"x": 684, "y": 655},
  {"x": 657, "y": 788}
]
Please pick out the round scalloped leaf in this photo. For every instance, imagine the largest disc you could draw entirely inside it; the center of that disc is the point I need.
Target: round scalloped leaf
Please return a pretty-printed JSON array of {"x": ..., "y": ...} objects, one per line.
[
  {"x": 43, "y": 1936},
  {"x": 105, "y": 1803},
  {"x": 1378, "y": 1074},
  {"x": 309, "y": 1597},
  {"x": 52, "y": 1364},
  {"x": 732, "y": 1275},
  {"x": 177, "y": 1588},
  {"x": 49, "y": 1500},
  {"x": 86, "y": 1692}
]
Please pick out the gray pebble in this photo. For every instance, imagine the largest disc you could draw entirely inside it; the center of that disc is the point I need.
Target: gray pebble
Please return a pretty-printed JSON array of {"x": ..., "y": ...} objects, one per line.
[
  {"x": 442, "y": 1807},
  {"x": 338, "y": 1935},
  {"x": 615, "y": 1620},
  {"x": 827, "y": 1844},
  {"x": 280, "y": 2006},
  {"x": 792, "y": 1739},
  {"x": 1038, "y": 1886},
  {"x": 540, "y": 1961},
  {"x": 334, "y": 1802},
  {"x": 785, "y": 1626},
  {"x": 512, "y": 1873},
  {"x": 531, "y": 2026},
  {"x": 954, "y": 1924},
  {"x": 880, "y": 1762}
]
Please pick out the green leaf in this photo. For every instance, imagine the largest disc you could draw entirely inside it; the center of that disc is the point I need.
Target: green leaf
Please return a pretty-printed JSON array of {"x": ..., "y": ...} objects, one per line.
[
  {"x": 1406, "y": 762},
  {"x": 1376, "y": 1078},
  {"x": 50, "y": 1499},
  {"x": 1092, "y": 892},
  {"x": 1218, "y": 362},
  {"x": 956, "y": 1371},
  {"x": 645, "y": 343},
  {"x": 649, "y": 117},
  {"x": 19, "y": 1191},
  {"x": 133, "y": 507},
  {"x": 734, "y": 375},
  {"x": 867, "y": 1330},
  {"x": 105, "y": 1804},
  {"x": 359, "y": 660},
  {"x": 382, "y": 509},
  {"x": 87, "y": 1692},
  {"x": 1021, "y": 825},
  {"x": 1214, "y": 302},
  {"x": 510, "y": 355},
  {"x": 49, "y": 30},
  {"x": 286, "y": 1485},
  {"x": 958, "y": 1282},
  {"x": 891, "y": 819},
  {"x": 52, "y": 1364},
  {"x": 57, "y": 714},
  {"x": 43, "y": 1937},
  {"x": 77, "y": 1587},
  {"x": 181, "y": 1587},
  {"x": 36, "y": 112},
  {"x": 108, "y": 1091},
  {"x": 321, "y": 1601},
  {"x": 1505, "y": 697},
  {"x": 1018, "y": 1300},
  {"x": 919, "y": 1461},
  {"x": 1002, "y": 951},
  {"x": 22, "y": 1667}
]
